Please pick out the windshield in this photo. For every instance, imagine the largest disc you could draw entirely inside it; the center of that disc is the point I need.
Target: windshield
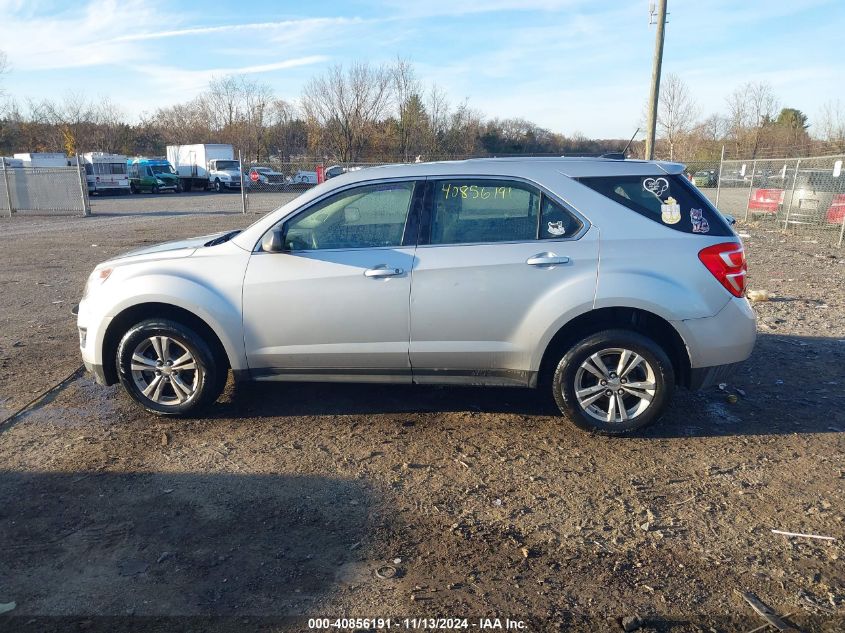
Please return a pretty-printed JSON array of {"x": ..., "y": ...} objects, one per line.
[
  {"x": 162, "y": 169},
  {"x": 227, "y": 164}
]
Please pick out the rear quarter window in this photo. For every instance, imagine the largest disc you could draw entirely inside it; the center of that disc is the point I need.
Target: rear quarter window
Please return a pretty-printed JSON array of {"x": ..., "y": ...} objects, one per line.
[{"x": 668, "y": 200}]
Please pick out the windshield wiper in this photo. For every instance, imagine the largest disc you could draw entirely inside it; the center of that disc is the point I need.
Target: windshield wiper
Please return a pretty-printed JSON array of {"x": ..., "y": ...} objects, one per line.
[{"x": 223, "y": 238}]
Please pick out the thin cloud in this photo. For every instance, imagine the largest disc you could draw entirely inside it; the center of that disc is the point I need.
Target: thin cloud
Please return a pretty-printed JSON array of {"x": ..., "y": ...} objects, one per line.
[
  {"x": 194, "y": 79},
  {"x": 252, "y": 26}
]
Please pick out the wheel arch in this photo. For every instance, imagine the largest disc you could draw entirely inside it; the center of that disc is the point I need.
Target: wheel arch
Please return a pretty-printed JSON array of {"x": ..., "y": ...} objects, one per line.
[
  {"x": 634, "y": 319},
  {"x": 128, "y": 317}
]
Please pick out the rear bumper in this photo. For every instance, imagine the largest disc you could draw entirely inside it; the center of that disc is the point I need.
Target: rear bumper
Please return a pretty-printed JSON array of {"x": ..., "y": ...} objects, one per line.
[{"x": 723, "y": 340}]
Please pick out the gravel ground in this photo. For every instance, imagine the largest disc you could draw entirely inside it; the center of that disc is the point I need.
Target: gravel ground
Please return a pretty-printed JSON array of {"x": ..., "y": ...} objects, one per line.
[{"x": 345, "y": 500}]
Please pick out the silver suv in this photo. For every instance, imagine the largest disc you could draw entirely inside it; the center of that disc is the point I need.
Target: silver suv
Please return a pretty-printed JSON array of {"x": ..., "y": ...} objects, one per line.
[{"x": 603, "y": 282}]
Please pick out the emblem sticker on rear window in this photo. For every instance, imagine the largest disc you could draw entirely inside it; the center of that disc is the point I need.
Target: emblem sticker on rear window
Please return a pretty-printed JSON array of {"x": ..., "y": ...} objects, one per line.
[
  {"x": 670, "y": 211},
  {"x": 699, "y": 222},
  {"x": 657, "y": 186},
  {"x": 556, "y": 228}
]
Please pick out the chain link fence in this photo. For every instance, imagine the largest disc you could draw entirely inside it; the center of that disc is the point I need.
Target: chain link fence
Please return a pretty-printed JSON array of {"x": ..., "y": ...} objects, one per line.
[
  {"x": 42, "y": 190},
  {"x": 271, "y": 184},
  {"x": 802, "y": 197}
]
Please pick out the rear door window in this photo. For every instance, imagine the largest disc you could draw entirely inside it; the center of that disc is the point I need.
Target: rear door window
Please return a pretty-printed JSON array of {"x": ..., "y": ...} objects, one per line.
[
  {"x": 467, "y": 211},
  {"x": 669, "y": 200}
]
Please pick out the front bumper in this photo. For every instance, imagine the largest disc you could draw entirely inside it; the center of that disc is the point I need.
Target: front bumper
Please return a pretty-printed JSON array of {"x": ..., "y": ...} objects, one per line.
[
  {"x": 91, "y": 332},
  {"x": 97, "y": 371}
]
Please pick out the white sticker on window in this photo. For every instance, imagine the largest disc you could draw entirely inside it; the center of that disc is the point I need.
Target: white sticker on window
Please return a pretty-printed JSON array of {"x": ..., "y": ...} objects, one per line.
[
  {"x": 657, "y": 186},
  {"x": 670, "y": 211},
  {"x": 556, "y": 228}
]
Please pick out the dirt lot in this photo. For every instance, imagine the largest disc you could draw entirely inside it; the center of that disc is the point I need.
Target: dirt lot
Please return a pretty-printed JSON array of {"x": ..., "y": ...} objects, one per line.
[{"x": 337, "y": 501}]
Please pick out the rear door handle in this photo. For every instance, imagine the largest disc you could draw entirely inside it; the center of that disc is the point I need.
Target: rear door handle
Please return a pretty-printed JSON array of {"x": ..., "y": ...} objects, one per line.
[
  {"x": 382, "y": 271},
  {"x": 546, "y": 259}
]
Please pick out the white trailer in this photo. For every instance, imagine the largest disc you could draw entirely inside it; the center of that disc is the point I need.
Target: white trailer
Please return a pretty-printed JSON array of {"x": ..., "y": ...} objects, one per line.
[
  {"x": 42, "y": 159},
  {"x": 105, "y": 173},
  {"x": 204, "y": 165}
]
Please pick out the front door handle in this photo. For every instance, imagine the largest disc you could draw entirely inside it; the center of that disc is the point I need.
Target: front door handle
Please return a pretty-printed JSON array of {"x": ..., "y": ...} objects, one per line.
[
  {"x": 382, "y": 271},
  {"x": 546, "y": 259}
]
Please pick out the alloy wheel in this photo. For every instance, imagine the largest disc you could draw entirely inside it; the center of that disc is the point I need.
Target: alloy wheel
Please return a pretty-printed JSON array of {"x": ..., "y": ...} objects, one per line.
[
  {"x": 165, "y": 371},
  {"x": 615, "y": 385}
]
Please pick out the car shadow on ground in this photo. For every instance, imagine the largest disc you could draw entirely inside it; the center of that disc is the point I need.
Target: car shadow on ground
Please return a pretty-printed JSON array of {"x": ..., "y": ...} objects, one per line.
[
  {"x": 176, "y": 544},
  {"x": 777, "y": 391}
]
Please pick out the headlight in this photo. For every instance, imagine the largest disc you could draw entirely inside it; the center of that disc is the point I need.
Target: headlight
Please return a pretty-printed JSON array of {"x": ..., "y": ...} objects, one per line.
[
  {"x": 159, "y": 181},
  {"x": 224, "y": 177},
  {"x": 96, "y": 279}
]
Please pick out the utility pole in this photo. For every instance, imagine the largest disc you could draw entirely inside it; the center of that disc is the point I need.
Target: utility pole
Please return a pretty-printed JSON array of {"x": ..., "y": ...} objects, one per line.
[{"x": 655, "y": 79}]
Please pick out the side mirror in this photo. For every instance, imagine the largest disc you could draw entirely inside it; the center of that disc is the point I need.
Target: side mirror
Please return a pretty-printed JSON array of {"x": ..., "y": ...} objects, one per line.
[
  {"x": 274, "y": 241},
  {"x": 731, "y": 219}
]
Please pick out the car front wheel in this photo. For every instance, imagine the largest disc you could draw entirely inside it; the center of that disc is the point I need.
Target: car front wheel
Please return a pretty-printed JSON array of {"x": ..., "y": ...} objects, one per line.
[
  {"x": 168, "y": 368},
  {"x": 613, "y": 382}
]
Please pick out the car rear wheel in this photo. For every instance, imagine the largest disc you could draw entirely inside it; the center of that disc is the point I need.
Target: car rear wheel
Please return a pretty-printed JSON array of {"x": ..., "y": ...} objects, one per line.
[
  {"x": 613, "y": 382},
  {"x": 168, "y": 368}
]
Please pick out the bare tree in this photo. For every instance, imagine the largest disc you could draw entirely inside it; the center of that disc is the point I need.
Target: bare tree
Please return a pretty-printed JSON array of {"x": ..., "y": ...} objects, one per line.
[
  {"x": 406, "y": 89},
  {"x": 4, "y": 68},
  {"x": 676, "y": 111},
  {"x": 437, "y": 108},
  {"x": 831, "y": 126},
  {"x": 751, "y": 107},
  {"x": 345, "y": 104}
]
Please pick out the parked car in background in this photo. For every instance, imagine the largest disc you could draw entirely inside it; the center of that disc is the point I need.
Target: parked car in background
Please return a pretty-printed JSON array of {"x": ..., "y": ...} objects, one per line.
[
  {"x": 705, "y": 178},
  {"x": 477, "y": 272},
  {"x": 264, "y": 178},
  {"x": 334, "y": 170},
  {"x": 106, "y": 173},
  {"x": 813, "y": 195},
  {"x": 153, "y": 175},
  {"x": 302, "y": 179},
  {"x": 337, "y": 170}
]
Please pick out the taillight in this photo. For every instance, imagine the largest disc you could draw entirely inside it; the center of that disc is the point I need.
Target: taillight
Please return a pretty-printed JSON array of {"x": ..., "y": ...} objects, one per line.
[{"x": 727, "y": 264}]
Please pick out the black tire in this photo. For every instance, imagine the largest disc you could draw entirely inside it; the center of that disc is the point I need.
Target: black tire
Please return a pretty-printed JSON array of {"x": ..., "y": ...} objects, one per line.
[
  {"x": 217, "y": 186},
  {"x": 155, "y": 189},
  {"x": 567, "y": 372},
  {"x": 133, "y": 188},
  {"x": 211, "y": 372}
]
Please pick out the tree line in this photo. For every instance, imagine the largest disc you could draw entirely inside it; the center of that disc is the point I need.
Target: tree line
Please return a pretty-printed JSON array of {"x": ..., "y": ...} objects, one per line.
[{"x": 366, "y": 113}]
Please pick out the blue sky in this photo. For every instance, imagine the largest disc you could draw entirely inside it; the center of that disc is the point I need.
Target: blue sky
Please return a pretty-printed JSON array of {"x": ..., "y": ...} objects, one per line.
[{"x": 569, "y": 65}]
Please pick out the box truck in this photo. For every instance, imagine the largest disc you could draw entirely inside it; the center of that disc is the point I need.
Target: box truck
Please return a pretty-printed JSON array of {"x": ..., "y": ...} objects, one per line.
[
  {"x": 43, "y": 159},
  {"x": 105, "y": 173},
  {"x": 203, "y": 166}
]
